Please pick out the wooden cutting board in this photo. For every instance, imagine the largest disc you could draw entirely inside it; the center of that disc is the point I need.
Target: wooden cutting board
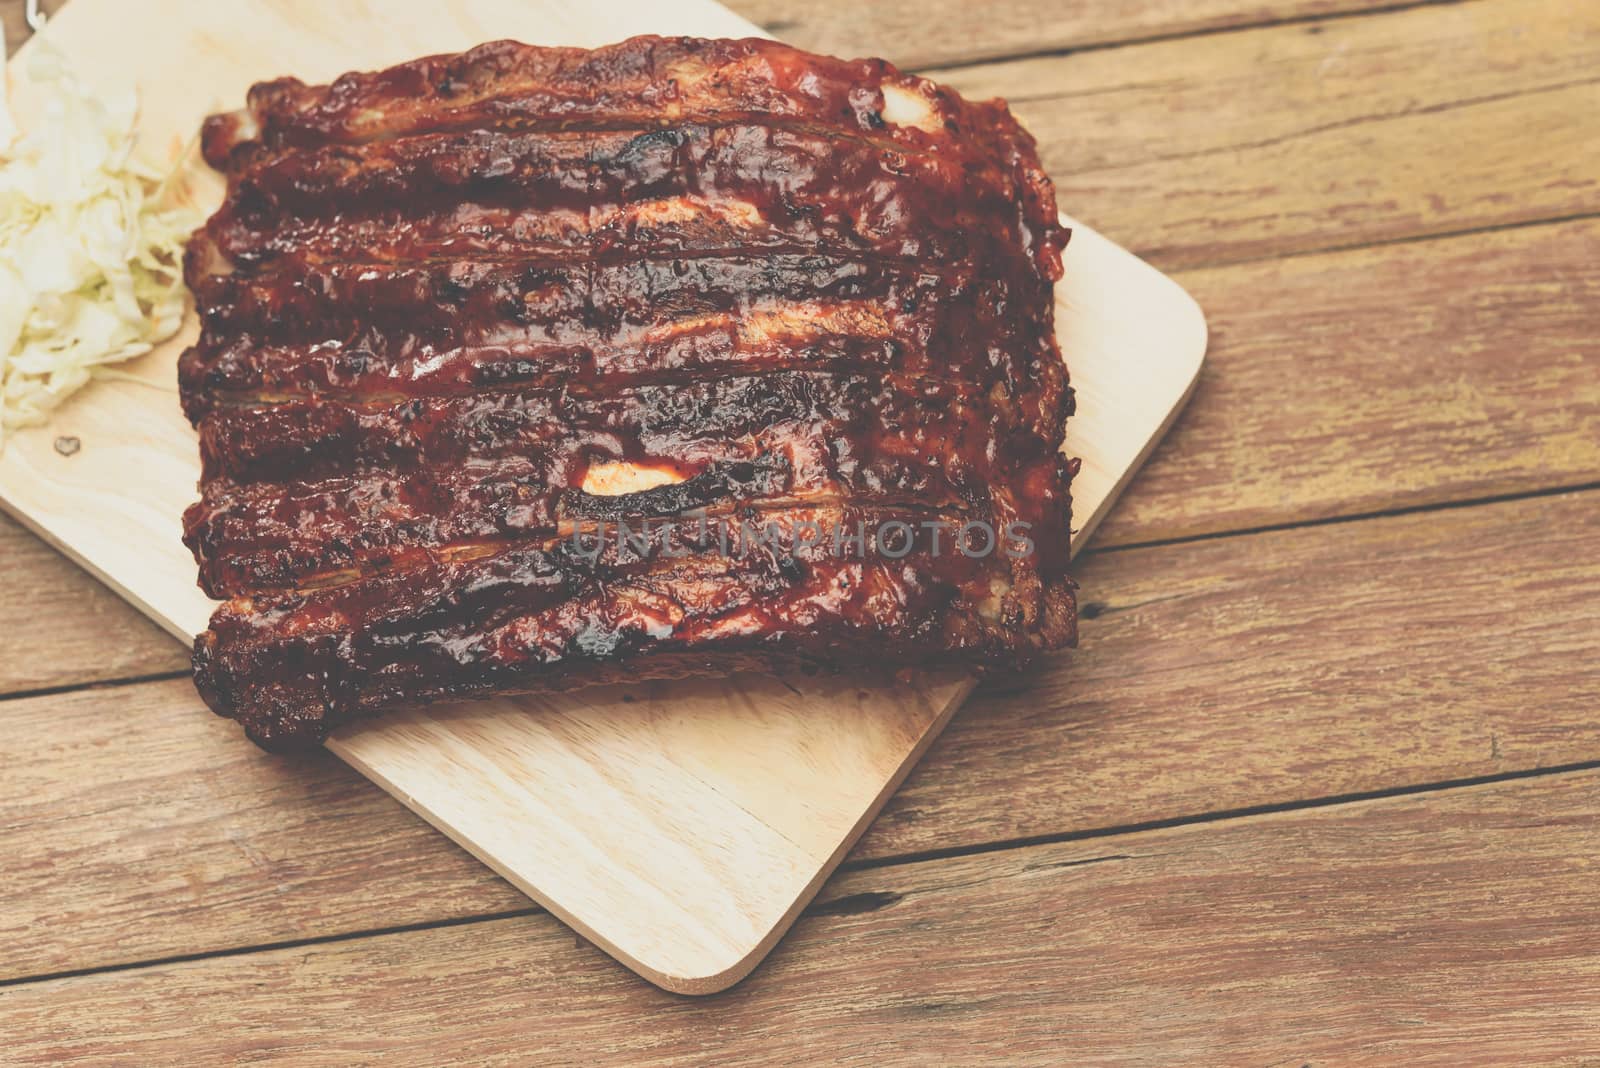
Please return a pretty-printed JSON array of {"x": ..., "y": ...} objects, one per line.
[{"x": 680, "y": 826}]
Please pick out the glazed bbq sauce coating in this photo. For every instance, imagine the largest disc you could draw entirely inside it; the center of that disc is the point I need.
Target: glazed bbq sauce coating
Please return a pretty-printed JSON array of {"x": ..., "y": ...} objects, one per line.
[
  {"x": 640, "y": 83},
  {"x": 587, "y": 304},
  {"x": 541, "y": 616},
  {"x": 679, "y": 188},
  {"x": 349, "y": 484},
  {"x": 946, "y": 325},
  {"x": 733, "y": 208},
  {"x": 457, "y": 327},
  {"x": 848, "y": 178},
  {"x": 251, "y": 540}
]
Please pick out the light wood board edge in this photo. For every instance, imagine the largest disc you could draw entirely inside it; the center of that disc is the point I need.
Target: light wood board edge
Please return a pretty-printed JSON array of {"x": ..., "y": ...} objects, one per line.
[
  {"x": 685, "y": 984},
  {"x": 105, "y": 578},
  {"x": 1188, "y": 329}
]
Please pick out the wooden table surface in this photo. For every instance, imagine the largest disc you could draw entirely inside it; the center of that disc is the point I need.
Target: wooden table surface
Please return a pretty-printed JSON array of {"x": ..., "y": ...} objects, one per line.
[{"x": 1322, "y": 785}]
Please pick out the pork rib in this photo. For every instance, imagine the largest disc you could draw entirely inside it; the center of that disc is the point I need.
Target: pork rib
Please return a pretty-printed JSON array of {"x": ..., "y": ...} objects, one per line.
[{"x": 529, "y": 368}]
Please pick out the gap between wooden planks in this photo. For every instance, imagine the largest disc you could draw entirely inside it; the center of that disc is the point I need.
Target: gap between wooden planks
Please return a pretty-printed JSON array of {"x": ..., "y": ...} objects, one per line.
[
  {"x": 1482, "y": 383},
  {"x": 945, "y": 32},
  {"x": 955, "y": 31},
  {"x": 1382, "y": 378},
  {"x": 1319, "y": 662},
  {"x": 1295, "y": 138},
  {"x": 1443, "y": 928}
]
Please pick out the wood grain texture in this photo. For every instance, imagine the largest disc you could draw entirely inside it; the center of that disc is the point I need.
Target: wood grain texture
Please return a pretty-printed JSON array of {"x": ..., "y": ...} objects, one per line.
[
  {"x": 136, "y": 825},
  {"x": 953, "y": 31},
  {"x": 59, "y": 627},
  {"x": 1232, "y": 673},
  {"x": 682, "y": 832},
  {"x": 1382, "y": 378},
  {"x": 1218, "y": 675},
  {"x": 1455, "y": 928},
  {"x": 1330, "y": 135},
  {"x": 942, "y": 32}
]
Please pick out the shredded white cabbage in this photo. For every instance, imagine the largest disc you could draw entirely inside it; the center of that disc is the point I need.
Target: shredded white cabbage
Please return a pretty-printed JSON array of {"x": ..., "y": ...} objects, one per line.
[{"x": 90, "y": 246}]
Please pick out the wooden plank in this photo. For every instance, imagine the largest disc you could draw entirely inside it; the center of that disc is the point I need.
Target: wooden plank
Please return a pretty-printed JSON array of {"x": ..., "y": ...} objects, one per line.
[
  {"x": 952, "y": 31},
  {"x": 1330, "y": 135},
  {"x": 1213, "y": 676},
  {"x": 138, "y": 825},
  {"x": 59, "y": 627},
  {"x": 1317, "y": 662},
  {"x": 1457, "y": 928},
  {"x": 1383, "y": 378},
  {"x": 944, "y": 32}
]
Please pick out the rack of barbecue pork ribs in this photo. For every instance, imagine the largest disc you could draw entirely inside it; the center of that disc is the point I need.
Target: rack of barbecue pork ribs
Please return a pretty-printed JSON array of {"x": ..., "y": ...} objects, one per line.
[{"x": 529, "y": 368}]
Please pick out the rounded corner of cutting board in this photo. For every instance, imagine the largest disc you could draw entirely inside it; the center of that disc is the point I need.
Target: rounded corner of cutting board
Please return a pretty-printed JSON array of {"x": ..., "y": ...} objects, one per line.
[
  {"x": 1185, "y": 333},
  {"x": 710, "y": 981},
  {"x": 690, "y": 967}
]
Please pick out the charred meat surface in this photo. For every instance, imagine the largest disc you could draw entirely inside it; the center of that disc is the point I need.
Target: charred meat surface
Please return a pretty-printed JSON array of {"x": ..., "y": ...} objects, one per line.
[{"x": 530, "y": 368}]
